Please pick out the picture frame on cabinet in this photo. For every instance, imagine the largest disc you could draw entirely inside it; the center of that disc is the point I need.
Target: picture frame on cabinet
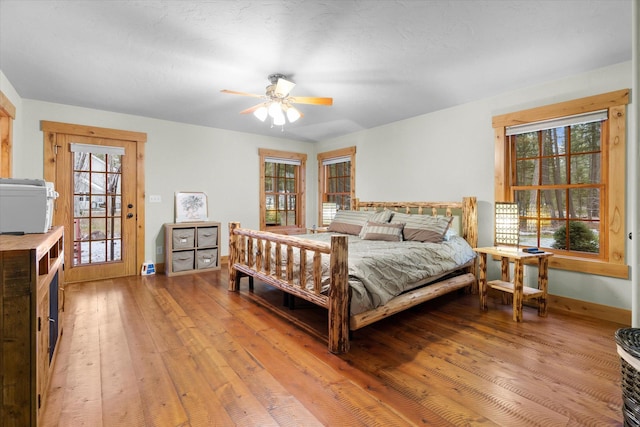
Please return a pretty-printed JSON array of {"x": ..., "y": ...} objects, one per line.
[{"x": 191, "y": 206}]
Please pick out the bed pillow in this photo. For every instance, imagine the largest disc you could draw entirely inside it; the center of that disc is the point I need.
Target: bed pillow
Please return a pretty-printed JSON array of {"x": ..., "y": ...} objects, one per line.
[
  {"x": 351, "y": 222},
  {"x": 382, "y": 216},
  {"x": 382, "y": 231},
  {"x": 423, "y": 228}
]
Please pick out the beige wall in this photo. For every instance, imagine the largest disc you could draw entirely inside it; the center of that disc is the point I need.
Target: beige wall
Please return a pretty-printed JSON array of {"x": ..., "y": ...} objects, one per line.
[
  {"x": 439, "y": 156},
  {"x": 449, "y": 154}
]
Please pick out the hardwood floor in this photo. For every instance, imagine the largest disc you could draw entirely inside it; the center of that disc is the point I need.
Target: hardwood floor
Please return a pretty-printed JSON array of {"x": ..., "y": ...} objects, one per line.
[{"x": 182, "y": 351}]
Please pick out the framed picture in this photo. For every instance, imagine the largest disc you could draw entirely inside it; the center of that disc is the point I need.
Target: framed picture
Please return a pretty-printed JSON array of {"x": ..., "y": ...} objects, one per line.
[{"x": 191, "y": 207}]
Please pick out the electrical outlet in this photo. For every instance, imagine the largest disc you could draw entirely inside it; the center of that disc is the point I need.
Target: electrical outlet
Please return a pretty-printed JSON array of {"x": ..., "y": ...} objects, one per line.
[
  {"x": 158, "y": 250},
  {"x": 155, "y": 199}
]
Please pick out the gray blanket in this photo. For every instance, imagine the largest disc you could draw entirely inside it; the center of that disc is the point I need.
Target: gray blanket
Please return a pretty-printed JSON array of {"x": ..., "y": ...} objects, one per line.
[{"x": 380, "y": 270}]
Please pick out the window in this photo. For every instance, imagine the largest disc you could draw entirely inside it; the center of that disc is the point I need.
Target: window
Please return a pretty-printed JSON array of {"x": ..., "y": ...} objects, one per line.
[
  {"x": 564, "y": 164},
  {"x": 282, "y": 176},
  {"x": 336, "y": 178}
]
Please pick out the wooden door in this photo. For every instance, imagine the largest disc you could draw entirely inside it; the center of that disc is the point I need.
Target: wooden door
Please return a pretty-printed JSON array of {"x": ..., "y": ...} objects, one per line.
[{"x": 100, "y": 204}]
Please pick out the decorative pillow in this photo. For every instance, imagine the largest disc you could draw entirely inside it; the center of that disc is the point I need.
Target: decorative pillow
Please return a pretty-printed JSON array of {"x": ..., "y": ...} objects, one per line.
[
  {"x": 423, "y": 228},
  {"x": 382, "y": 216},
  {"x": 349, "y": 222},
  {"x": 382, "y": 231}
]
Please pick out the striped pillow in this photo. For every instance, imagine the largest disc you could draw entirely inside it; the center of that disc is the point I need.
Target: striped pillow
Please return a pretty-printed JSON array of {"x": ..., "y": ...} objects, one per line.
[
  {"x": 423, "y": 228},
  {"x": 382, "y": 231},
  {"x": 351, "y": 222}
]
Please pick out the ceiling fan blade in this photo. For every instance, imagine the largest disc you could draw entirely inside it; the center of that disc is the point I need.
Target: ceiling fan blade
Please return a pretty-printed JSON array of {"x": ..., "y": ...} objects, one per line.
[
  {"x": 283, "y": 87},
  {"x": 311, "y": 100},
  {"x": 251, "y": 109},
  {"x": 234, "y": 92}
]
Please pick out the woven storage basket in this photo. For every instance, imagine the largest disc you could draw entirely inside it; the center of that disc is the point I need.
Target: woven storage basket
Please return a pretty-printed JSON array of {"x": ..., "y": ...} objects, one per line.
[{"x": 628, "y": 340}]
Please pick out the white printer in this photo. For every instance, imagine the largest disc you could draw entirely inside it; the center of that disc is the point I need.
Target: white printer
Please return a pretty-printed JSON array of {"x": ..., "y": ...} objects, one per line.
[{"x": 26, "y": 205}]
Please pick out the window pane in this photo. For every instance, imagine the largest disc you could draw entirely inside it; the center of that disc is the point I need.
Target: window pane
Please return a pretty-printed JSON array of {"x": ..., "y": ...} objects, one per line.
[
  {"x": 554, "y": 142},
  {"x": 554, "y": 170},
  {"x": 527, "y": 201},
  {"x": 554, "y": 203},
  {"x": 114, "y": 252},
  {"x": 585, "y": 203},
  {"x": 290, "y": 171},
  {"x": 81, "y": 161},
  {"x": 81, "y": 182},
  {"x": 528, "y": 232},
  {"x": 98, "y": 162},
  {"x": 98, "y": 251},
  {"x": 579, "y": 236},
  {"x": 526, "y": 145},
  {"x": 291, "y": 218},
  {"x": 291, "y": 186},
  {"x": 527, "y": 172},
  {"x": 585, "y": 137},
  {"x": 585, "y": 168},
  {"x": 268, "y": 184}
]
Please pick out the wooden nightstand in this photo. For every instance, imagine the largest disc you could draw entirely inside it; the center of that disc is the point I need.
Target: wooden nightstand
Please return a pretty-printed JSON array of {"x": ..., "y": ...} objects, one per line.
[{"x": 519, "y": 291}]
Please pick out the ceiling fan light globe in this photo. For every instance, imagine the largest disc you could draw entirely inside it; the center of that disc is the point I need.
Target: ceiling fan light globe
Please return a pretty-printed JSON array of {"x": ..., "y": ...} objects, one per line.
[
  {"x": 261, "y": 113},
  {"x": 293, "y": 114},
  {"x": 278, "y": 120},
  {"x": 275, "y": 109}
]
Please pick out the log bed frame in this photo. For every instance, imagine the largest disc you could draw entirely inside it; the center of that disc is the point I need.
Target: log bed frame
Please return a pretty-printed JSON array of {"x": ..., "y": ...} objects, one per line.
[{"x": 250, "y": 255}]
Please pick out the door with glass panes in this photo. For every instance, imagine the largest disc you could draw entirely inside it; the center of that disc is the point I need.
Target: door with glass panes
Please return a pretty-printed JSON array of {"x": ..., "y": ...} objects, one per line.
[{"x": 96, "y": 182}]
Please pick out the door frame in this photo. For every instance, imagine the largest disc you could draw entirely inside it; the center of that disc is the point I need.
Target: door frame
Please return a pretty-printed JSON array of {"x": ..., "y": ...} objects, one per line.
[{"x": 50, "y": 131}]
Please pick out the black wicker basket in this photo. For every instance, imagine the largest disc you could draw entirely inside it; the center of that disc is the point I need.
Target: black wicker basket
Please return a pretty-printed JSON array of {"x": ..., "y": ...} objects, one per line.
[{"x": 628, "y": 340}]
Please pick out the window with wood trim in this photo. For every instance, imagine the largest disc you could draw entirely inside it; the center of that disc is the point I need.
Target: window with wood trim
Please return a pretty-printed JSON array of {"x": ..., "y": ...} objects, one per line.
[
  {"x": 564, "y": 164},
  {"x": 336, "y": 179},
  {"x": 282, "y": 195}
]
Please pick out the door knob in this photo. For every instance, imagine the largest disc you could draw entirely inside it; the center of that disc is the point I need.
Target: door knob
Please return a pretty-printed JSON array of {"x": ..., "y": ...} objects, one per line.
[
  {"x": 129, "y": 205},
  {"x": 129, "y": 215}
]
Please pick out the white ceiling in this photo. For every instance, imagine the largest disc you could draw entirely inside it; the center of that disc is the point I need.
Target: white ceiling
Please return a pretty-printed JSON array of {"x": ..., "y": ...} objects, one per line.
[{"x": 380, "y": 60}]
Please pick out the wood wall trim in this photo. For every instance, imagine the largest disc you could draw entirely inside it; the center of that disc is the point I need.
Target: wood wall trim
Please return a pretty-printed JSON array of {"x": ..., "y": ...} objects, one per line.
[
  {"x": 6, "y": 107},
  {"x": 596, "y": 311},
  {"x": 7, "y": 116},
  {"x": 563, "y": 109},
  {"x": 93, "y": 131}
]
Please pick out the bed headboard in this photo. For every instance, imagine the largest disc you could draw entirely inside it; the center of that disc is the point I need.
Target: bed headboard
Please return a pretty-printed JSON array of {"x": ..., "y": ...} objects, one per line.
[{"x": 466, "y": 210}]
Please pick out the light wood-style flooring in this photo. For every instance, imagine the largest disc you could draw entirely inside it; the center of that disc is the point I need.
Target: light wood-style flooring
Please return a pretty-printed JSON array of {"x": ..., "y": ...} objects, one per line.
[{"x": 183, "y": 351}]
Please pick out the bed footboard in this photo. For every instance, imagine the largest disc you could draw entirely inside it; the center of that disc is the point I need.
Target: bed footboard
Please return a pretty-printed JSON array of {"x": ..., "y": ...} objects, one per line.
[{"x": 250, "y": 255}]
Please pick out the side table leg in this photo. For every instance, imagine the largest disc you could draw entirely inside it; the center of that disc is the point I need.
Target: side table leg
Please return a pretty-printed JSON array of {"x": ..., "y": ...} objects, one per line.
[
  {"x": 482, "y": 281},
  {"x": 504, "y": 274},
  {"x": 543, "y": 278},
  {"x": 518, "y": 291}
]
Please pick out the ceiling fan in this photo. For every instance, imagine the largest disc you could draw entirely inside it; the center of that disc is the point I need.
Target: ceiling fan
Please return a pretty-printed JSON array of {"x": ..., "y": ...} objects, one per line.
[{"x": 277, "y": 101}]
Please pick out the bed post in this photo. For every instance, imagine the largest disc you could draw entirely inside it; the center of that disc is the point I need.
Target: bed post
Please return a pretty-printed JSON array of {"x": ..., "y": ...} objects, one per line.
[
  {"x": 470, "y": 221},
  {"x": 470, "y": 231},
  {"x": 339, "y": 296},
  {"x": 233, "y": 257}
]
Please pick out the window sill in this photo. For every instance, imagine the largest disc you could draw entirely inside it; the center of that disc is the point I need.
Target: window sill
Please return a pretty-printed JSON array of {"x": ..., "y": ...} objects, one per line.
[{"x": 589, "y": 266}]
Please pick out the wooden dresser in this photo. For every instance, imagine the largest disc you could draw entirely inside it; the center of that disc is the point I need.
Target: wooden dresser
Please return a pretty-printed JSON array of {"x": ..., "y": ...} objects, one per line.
[{"x": 31, "y": 306}]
